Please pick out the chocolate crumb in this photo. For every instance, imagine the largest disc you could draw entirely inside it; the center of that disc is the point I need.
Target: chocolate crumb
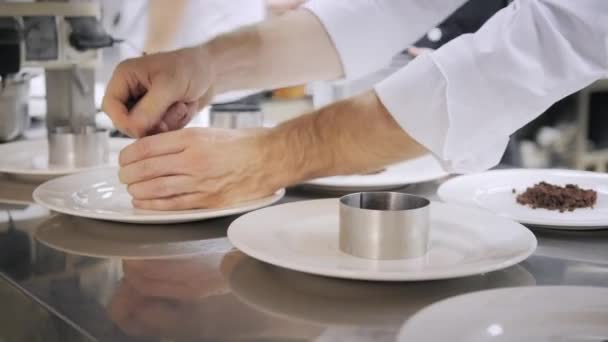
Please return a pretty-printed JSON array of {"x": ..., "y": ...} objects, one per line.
[{"x": 555, "y": 197}]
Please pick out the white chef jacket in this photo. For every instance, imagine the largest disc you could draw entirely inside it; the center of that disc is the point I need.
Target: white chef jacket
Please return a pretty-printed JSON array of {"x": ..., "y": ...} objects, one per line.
[{"x": 463, "y": 101}]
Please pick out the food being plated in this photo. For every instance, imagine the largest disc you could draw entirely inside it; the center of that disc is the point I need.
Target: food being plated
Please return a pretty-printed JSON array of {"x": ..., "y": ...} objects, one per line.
[{"x": 555, "y": 197}]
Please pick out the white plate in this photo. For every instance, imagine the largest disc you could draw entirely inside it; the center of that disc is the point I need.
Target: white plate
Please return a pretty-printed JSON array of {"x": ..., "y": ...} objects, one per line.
[
  {"x": 303, "y": 236},
  {"x": 418, "y": 170},
  {"x": 29, "y": 159},
  {"x": 492, "y": 190},
  {"x": 99, "y": 195},
  {"x": 550, "y": 313},
  {"x": 80, "y": 236}
]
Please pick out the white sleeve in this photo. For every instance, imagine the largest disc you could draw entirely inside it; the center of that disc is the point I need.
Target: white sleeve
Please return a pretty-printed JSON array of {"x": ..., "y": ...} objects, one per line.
[
  {"x": 464, "y": 100},
  {"x": 368, "y": 33}
]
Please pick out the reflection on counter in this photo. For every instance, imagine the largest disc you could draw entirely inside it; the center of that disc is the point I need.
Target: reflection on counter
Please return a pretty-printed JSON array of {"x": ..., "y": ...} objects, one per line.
[
  {"x": 28, "y": 321},
  {"x": 182, "y": 299},
  {"x": 177, "y": 299},
  {"x": 103, "y": 239},
  {"x": 323, "y": 300}
]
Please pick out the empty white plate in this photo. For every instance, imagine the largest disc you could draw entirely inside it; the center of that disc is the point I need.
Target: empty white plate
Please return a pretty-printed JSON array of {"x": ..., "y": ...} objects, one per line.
[
  {"x": 100, "y": 195},
  {"x": 423, "y": 169},
  {"x": 29, "y": 159},
  {"x": 81, "y": 236},
  {"x": 549, "y": 313},
  {"x": 493, "y": 190},
  {"x": 303, "y": 236}
]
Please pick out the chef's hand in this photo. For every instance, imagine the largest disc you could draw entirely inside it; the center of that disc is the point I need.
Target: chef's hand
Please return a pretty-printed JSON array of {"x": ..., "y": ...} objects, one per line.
[
  {"x": 198, "y": 168},
  {"x": 159, "y": 92}
]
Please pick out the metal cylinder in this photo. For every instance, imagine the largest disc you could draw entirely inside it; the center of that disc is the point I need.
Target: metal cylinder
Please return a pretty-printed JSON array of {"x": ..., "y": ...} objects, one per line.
[
  {"x": 384, "y": 225},
  {"x": 236, "y": 119},
  {"x": 244, "y": 113},
  {"x": 91, "y": 147},
  {"x": 87, "y": 148},
  {"x": 61, "y": 147}
]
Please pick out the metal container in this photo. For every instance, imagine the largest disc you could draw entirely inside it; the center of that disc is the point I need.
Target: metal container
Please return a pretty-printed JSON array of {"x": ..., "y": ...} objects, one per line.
[
  {"x": 236, "y": 115},
  {"x": 87, "y": 148},
  {"x": 384, "y": 225},
  {"x": 92, "y": 147},
  {"x": 14, "y": 117},
  {"x": 61, "y": 147}
]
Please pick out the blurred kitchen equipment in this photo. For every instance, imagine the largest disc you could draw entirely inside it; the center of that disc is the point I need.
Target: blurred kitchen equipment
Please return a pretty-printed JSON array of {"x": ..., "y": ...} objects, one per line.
[
  {"x": 14, "y": 93},
  {"x": 591, "y": 129},
  {"x": 384, "y": 225},
  {"x": 63, "y": 38},
  {"x": 245, "y": 113}
]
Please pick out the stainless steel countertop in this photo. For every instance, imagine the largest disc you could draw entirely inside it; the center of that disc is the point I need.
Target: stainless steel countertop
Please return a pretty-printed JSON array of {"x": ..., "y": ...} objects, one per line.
[{"x": 223, "y": 295}]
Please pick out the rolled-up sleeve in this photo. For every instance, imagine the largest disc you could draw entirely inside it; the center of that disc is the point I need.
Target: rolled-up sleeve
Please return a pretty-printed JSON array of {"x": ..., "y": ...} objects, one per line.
[
  {"x": 368, "y": 33},
  {"x": 464, "y": 100}
]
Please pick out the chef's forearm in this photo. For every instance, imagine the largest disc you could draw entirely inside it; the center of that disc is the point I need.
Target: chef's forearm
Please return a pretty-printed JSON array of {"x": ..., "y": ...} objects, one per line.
[
  {"x": 164, "y": 18},
  {"x": 292, "y": 49},
  {"x": 351, "y": 136}
]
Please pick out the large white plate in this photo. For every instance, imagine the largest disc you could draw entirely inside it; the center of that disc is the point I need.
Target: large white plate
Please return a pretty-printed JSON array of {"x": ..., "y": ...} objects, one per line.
[
  {"x": 418, "y": 170},
  {"x": 81, "y": 236},
  {"x": 29, "y": 159},
  {"x": 303, "y": 236},
  {"x": 492, "y": 190},
  {"x": 100, "y": 195},
  {"x": 558, "y": 313}
]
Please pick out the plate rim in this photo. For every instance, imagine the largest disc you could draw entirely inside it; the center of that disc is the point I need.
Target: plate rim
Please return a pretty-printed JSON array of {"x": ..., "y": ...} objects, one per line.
[
  {"x": 114, "y": 142},
  {"x": 434, "y": 306},
  {"x": 317, "y": 183},
  {"x": 391, "y": 277},
  {"x": 151, "y": 219},
  {"x": 441, "y": 193}
]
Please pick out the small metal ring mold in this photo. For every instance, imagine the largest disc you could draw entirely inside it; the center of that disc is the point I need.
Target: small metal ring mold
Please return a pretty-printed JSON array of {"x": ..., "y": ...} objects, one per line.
[{"x": 384, "y": 225}]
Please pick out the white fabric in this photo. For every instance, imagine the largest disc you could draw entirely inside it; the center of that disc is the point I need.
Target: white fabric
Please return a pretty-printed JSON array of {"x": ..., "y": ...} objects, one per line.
[
  {"x": 464, "y": 100},
  {"x": 202, "y": 20},
  {"x": 368, "y": 33}
]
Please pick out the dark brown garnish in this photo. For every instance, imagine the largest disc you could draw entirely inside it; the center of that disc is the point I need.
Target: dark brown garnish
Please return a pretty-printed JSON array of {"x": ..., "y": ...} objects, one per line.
[{"x": 555, "y": 197}]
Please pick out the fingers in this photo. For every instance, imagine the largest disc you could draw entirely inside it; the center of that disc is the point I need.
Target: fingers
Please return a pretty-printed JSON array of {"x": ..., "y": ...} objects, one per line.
[
  {"x": 178, "y": 115},
  {"x": 161, "y": 187},
  {"x": 153, "y": 146},
  {"x": 151, "y": 108},
  {"x": 147, "y": 169},
  {"x": 115, "y": 100},
  {"x": 182, "y": 202}
]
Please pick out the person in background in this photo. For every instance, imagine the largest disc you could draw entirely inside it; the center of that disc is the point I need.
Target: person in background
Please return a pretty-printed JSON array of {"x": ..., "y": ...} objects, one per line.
[{"x": 460, "y": 103}]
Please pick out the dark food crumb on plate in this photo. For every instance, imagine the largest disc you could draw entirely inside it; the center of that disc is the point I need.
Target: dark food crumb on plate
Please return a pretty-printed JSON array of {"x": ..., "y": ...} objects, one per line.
[{"x": 555, "y": 197}]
